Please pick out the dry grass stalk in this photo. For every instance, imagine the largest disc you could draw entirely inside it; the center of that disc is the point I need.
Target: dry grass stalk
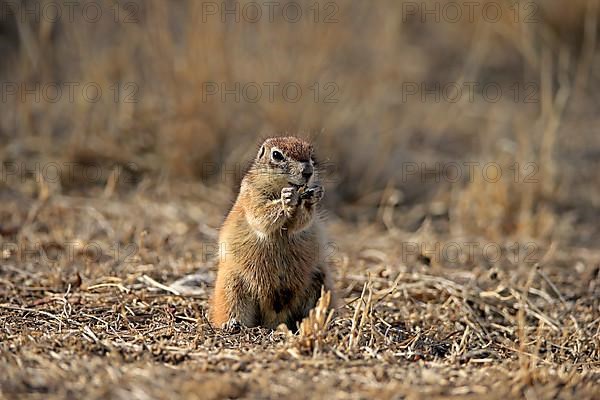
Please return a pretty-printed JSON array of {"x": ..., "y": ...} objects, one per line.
[{"x": 313, "y": 329}]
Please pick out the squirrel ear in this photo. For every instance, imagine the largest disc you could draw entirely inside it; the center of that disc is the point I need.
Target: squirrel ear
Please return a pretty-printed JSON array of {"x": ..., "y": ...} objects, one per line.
[{"x": 261, "y": 152}]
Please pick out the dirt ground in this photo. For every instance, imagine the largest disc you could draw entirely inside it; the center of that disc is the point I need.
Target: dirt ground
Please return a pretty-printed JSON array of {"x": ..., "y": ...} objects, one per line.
[{"x": 92, "y": 308}]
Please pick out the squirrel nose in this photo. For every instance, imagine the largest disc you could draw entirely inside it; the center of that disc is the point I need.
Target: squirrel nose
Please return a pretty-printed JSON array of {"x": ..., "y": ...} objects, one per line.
[{"x": 307, "y": 171}]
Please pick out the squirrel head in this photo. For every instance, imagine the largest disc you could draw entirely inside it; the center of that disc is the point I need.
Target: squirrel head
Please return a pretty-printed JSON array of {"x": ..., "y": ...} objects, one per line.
[{"x": 285, "y": 161}]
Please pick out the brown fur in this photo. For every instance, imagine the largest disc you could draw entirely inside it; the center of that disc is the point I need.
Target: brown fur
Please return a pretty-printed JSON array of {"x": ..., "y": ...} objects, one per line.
[{"x": 271, "y": 264}]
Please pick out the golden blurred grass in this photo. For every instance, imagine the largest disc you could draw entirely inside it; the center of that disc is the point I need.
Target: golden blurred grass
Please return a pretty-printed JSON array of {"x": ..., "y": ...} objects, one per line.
[{"x": 164, "y": 62}]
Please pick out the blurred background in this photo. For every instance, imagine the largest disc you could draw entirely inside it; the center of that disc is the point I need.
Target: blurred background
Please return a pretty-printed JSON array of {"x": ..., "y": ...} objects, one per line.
[
  {"x": 409, "y": 103},
  {"x": 458, "y": 142}
]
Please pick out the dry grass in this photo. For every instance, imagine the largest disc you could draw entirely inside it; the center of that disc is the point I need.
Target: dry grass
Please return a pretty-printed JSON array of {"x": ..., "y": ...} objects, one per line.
[
  {"x": 107, "y": 326},
  {"x": 170, "y": 115},
  {"x": 104, "y": 281}
]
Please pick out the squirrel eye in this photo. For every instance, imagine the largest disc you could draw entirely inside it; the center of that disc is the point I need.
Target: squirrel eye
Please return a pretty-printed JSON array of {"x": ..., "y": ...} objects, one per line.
[{"x": 277, "y": 156}]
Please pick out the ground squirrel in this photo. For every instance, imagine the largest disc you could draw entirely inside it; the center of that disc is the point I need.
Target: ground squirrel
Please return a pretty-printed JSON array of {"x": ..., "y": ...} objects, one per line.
[{"x": 271, "y": 262}]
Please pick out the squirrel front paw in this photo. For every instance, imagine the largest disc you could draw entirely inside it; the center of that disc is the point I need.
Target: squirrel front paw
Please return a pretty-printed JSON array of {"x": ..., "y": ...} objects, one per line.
[
  {"x": 289, "y": 199},
  {"x": 313, "y": 194}
]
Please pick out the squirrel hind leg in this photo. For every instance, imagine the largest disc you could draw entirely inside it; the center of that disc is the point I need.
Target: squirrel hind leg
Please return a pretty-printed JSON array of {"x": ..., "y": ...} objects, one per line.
[
  {"x": 319, "y": 280},
  {"x": 229, "y": 303}
]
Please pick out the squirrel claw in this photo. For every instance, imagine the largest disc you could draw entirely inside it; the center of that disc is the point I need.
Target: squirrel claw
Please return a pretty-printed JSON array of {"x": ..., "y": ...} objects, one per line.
[
  {"x": 290, "y": 199},
  {"x": 313, "y": 194},
  {"x": 232, "y": 326}
]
